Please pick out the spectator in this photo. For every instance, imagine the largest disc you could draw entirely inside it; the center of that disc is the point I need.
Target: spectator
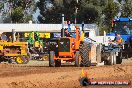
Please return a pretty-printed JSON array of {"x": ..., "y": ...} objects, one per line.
[{"x": 3, "y": 37}]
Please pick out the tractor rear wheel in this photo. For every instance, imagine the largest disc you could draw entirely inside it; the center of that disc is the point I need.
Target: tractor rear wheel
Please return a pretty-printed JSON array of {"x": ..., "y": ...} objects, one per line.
[
  {"x": 20, "y": 60},
  {"x": 77, "y": 61},
  {"x": 84, "y": 52},
  {"x": 51, "y": 59},
  {"x": 7, "y": 59}
]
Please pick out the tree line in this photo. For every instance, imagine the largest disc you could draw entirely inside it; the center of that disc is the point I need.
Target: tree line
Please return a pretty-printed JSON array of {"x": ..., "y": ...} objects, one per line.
[{"x": 100, "y": 12}]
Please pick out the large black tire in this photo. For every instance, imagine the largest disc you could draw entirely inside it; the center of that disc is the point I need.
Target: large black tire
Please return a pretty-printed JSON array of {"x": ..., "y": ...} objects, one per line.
[
  {"x": 57, "y": 63},
  {"x": 119, "y": 58},
  {"x": 9, "y": 61},
  {"x": 84, "y": 81},
  {"x": 51, "y": 59},
  {"x": 84, "y": 52},
  {"x": 105, "y": 56},
  {"x": 77, "y": 64}
]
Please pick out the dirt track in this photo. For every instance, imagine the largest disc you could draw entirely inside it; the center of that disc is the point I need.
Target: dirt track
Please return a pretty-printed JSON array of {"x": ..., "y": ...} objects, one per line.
[{"x": 19, "y": 76}]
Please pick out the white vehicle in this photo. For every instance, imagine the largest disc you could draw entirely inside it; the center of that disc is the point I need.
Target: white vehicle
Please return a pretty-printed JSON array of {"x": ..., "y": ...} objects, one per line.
[{"x": 109, "y": 56}]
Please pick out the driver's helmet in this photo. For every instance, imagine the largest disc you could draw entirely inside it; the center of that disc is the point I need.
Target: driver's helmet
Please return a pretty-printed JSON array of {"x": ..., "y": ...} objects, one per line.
[{"x": 124, "y": 26}]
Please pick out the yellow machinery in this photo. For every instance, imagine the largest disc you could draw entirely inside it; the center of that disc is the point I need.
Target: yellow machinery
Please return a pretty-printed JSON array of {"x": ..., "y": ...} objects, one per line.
[
  {"x": 14, "y": 50},
  {"x": 37, "y": 44}
]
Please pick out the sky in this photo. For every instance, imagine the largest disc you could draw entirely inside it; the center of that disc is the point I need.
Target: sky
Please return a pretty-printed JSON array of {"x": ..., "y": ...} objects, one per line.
[{"x": 35, "y": 15}]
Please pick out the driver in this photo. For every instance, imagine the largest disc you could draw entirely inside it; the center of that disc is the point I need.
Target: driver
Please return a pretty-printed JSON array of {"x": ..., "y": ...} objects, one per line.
[
  {"x": 126, "y": 29},
  {"x": 67, "y": 34},
  {"x": 118, "y": 39}
]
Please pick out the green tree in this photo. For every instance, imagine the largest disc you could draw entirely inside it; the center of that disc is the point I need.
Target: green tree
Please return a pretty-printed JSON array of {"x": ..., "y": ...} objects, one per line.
[
  {"x": 17, "y": 14},
  {"x": 53, "y": 13},
  {"x": 22, "y": 10},
  {"x": 127, "y": 9},
  {"x": 88, "y": 10},
  {"x": 91, "y": 10},
  {"x": 88, "y": 14},
  {"x": 110, "y": 11},
  {"x": 1, "y": 5}
]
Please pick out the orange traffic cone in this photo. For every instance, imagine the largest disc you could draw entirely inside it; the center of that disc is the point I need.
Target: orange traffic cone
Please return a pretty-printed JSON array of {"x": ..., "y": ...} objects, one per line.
[{"x": 84, "y": 81}]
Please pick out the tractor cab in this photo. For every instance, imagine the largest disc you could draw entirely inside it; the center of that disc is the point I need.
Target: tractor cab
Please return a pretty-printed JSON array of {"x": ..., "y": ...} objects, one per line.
[
  {"x": 65, "y": 49},
  {"x": 64, "y": 45},
  {"x": 123, "y": 26}
]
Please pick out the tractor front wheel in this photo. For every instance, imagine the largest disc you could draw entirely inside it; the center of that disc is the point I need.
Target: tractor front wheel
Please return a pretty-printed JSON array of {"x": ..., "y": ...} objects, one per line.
[{"x": 20, "y": 60}]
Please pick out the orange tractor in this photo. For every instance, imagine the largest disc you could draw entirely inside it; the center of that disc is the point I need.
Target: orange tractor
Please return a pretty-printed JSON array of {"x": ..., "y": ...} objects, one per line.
[{"x": 69, "y": 49}]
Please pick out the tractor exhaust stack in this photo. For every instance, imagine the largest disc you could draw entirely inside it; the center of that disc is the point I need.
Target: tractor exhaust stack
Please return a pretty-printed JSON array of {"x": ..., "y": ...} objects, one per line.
[
  {"x": 13, "y": 35},
  {"x": 62, "y": 30}
]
